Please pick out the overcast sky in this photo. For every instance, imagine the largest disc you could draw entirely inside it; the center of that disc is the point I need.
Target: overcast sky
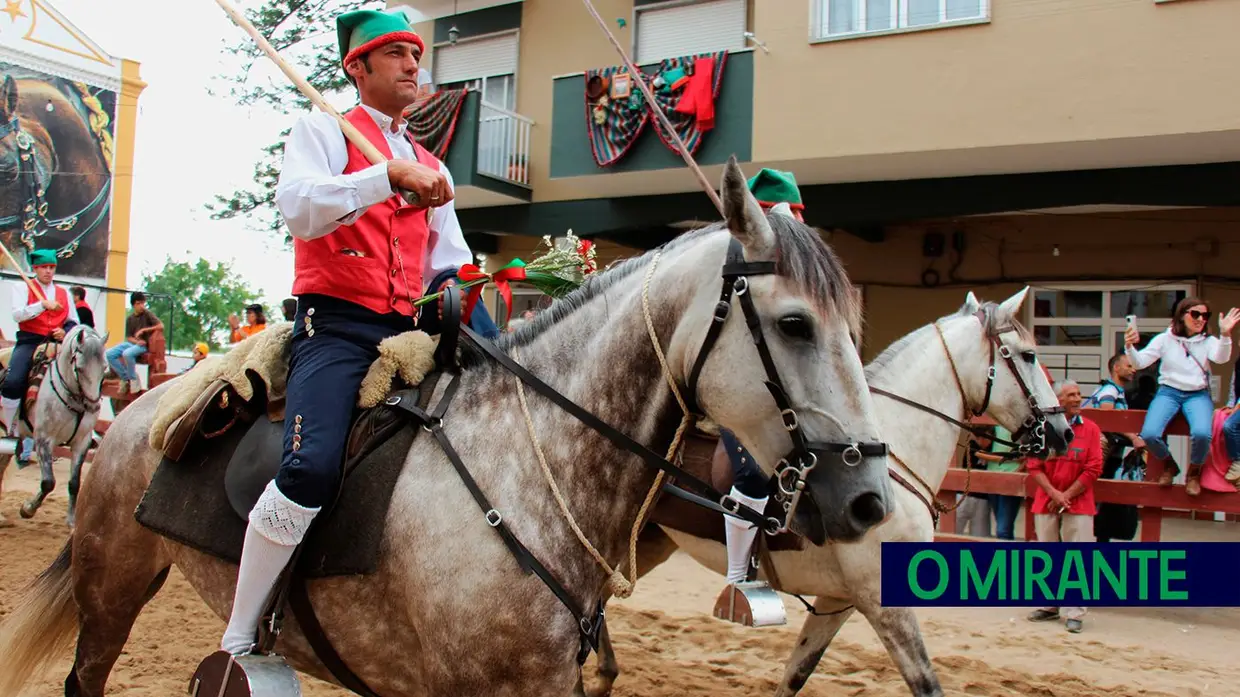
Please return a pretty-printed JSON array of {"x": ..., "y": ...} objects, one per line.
[{"x": 190, "y": 145}]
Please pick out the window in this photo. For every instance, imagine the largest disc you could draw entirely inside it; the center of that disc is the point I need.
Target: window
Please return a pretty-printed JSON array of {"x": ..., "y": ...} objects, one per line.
[
  {"x": 488, "y": 64},
  {"x": 1079, "y": 328},
  {"x": 679, "y": 29},
  {"x": 837, "y": 18}
]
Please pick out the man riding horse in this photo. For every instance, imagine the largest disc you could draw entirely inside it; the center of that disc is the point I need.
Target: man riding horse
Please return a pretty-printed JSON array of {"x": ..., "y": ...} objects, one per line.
[
  {"x": 39, "y": 320},
  {"x": 362, "y": 256}
]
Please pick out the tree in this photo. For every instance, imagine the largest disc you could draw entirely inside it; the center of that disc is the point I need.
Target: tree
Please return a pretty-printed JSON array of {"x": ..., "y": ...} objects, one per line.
[
  {"x": 304, "y": 32},
  {"x": 202, "y": 297}
]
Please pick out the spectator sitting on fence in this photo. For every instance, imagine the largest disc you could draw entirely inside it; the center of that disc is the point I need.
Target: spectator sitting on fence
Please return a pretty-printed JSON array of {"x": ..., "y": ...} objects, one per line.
[
  {"x": 123, "y": 357},
  {"x": 289, "y": 308},
  {"x": 973, "y": 513},
  {"x": 255, "y": 322},
  {"x": 85, "y": 314},
  {"x": 201, "y": 349},
  {"x": 1185, "y": 350},
  {"x": 1063, "y": 503}
]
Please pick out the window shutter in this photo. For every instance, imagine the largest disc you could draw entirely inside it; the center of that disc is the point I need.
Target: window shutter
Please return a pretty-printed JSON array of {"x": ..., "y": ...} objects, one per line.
[
  {"x": 684, "y": 30},
  {"x": 470, "y": 60}
]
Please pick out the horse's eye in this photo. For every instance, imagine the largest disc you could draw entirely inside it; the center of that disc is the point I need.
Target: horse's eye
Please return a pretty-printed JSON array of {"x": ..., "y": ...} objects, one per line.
[
  {"x": 796, "y": 327},
  {"x": 1029, "y": 356}
]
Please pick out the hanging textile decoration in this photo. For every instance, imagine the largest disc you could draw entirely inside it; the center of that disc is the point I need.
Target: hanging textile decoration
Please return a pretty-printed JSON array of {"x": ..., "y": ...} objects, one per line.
[
  {"x": 686, "y": 89},
  {"x": 432, "y": 121},
  {"x": 615, "y": 113}
]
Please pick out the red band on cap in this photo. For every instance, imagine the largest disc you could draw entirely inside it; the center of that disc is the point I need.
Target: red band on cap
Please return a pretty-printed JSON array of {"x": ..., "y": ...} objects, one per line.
[{"x": 384, "y": 40}]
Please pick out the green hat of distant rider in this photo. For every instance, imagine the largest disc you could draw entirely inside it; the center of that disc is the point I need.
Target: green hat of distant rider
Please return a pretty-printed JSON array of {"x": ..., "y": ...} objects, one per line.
[
  {"x": 362, "y": 31},
  {"x": 772, "y": 187},
  {"x": 43, "y": 257}
]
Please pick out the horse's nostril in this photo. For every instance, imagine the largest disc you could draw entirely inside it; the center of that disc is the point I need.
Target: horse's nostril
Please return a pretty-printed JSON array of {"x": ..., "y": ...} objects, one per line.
[{"x": 867, "y": 509}]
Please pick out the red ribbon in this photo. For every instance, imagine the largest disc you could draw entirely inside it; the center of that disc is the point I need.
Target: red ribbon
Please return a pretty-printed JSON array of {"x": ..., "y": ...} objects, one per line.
[{"x": 513, "y": 271}]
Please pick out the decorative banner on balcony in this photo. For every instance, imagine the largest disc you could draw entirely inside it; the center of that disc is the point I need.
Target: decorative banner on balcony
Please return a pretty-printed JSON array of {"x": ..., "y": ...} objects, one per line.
[
  {"x": 615, "y": 113},
  {"x": 432, "y": 121},
  {"x": 686, "y": 89}
]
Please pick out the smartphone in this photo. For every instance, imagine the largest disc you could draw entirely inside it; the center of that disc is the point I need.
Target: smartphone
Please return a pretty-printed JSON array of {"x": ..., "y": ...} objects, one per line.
[{"x": 1131, "y": 319}]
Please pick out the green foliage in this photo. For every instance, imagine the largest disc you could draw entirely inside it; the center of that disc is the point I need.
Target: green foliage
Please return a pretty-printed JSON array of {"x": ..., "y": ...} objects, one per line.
[
  {"x": 304, "y": 32},
  {"x": 202, "y": 297}
]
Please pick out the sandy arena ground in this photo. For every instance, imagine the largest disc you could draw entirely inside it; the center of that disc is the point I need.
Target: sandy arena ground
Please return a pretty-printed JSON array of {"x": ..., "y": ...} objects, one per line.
[{"x": 669, "y": 646}]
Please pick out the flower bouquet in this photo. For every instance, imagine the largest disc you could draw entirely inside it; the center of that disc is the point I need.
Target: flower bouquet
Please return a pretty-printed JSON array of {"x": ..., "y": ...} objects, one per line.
[{"x": 556, "y": 271}]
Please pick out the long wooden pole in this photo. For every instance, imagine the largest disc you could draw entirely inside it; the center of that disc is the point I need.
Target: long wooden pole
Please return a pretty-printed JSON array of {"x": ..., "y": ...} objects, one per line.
[
  {"x": 350, "y": 131},
  {"x": 658, "y": 111},
  {"x": 33, "y": 286}
]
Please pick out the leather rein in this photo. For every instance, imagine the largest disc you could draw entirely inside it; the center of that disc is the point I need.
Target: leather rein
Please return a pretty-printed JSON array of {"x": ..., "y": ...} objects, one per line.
[{"x": 1029, "y": 438}]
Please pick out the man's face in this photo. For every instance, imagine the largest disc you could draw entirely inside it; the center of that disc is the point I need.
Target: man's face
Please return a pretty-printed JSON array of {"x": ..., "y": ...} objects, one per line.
[
  {"x": 45, "y": 273},
  {"x": 1070, "y": 400},
  {"x": 1124, "y": 371},
  {"x": 139, "y": 307},
  {"x": 389, "y": 75}
]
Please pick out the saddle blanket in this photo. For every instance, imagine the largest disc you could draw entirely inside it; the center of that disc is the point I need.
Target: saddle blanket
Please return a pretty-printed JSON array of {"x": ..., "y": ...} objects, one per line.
[{"x": 197, "y": 499}]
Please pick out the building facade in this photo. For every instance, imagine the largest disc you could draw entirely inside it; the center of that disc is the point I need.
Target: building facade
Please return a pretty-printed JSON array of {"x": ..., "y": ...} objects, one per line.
[
  {"x": 1090, "y": 148},
  {"x": 68, "y": 157}
]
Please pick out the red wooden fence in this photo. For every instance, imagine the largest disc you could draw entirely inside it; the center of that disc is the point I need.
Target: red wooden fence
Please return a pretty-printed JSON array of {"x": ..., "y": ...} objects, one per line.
[{"x": 1152, "y": 499}]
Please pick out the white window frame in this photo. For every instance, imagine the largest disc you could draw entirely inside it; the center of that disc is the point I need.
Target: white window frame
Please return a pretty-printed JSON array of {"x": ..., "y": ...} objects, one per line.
[
  {"x": 480, "y": 82},
  {"x": 820, "y": 20},
  {"x": 634, "y": 48}
]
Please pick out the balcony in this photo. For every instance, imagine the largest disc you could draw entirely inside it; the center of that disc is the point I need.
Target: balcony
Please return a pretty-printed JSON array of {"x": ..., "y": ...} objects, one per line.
[
  {"x": 489, "y": 155},
  {"x": 438, "y": 9},
  {"x": 571, "y": 154}
]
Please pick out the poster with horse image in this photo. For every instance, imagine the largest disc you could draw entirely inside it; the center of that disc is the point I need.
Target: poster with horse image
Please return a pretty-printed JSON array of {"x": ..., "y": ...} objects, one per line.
[{"x": 56, "y": 150}]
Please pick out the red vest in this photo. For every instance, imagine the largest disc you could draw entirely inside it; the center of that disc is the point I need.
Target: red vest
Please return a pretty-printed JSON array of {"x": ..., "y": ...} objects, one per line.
[
  {"x": 391, "y": 238},
  {"x": 49, "y": 321}
]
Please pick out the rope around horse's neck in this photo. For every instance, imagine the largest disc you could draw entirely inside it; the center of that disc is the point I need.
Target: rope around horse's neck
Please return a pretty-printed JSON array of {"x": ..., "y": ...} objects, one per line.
[{"x": 620, "y": 586}]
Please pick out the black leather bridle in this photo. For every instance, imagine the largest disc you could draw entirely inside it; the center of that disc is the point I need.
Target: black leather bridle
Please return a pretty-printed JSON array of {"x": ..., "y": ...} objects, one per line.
[{"x": 793, "y": 469}]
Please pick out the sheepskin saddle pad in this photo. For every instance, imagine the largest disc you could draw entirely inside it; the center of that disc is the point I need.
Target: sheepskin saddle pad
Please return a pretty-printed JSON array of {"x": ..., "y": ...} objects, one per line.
[{"x": 221, "y": 434}]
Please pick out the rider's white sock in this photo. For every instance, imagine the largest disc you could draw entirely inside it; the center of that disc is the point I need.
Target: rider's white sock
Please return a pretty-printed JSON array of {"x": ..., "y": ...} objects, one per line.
[
  {"x": 740, "y": 536},
  {"x": 277, "y": 526},
  {"x": 8, "y": 409}
]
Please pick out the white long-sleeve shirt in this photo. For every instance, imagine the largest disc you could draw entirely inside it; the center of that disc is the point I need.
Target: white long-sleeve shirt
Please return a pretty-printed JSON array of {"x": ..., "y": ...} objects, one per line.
[
  {"x": 1185, "y": 361},
  {"x": 315, "y": 197},
  {"x": 23, "y": 312}
]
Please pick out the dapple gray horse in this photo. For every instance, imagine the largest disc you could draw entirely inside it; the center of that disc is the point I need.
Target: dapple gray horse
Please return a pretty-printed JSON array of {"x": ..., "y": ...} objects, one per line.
[
  {"x": 65, "y": 413},
  {"x": 449, "y": 611},
  {"x": 954, "y": 366}
]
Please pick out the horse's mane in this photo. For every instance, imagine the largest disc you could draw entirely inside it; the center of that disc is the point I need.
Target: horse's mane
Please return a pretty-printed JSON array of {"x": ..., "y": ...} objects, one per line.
[
  {"x": 993, "y": 323},
  {"x": 801, "y": 256}
]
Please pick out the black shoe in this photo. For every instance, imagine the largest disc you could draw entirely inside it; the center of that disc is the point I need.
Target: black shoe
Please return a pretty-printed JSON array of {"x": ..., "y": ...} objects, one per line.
[
  {"x": 1043, "y": 616},
  {"x": 1075, "y": 626}
]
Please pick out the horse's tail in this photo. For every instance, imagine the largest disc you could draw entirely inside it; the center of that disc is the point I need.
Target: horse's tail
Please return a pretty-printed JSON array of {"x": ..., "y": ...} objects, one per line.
[{"x": 41, "y": 626}]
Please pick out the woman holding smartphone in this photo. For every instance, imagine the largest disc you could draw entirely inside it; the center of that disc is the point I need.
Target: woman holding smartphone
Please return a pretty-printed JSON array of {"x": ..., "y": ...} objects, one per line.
[{"x": 1186, "y": 350}]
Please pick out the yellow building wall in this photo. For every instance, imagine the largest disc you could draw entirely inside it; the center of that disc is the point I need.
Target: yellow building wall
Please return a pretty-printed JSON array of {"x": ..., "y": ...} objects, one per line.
[{"x": 122, "y": 193}]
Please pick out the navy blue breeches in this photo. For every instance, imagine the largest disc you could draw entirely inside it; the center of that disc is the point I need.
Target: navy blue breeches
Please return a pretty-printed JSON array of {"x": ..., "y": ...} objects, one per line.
[
  {"x": 747, "y": 476},
  {"x": 18, "y": 376},
  {"x": 334, "y": 344}
]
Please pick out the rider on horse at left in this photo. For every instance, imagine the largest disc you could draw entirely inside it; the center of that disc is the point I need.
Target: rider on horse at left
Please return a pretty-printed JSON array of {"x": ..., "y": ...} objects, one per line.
[{"x": 39, "y": 320}]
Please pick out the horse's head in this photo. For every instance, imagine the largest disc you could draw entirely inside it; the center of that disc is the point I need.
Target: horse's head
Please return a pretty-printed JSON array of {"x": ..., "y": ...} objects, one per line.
[
  {"x": 773, "y": 358},
  {"x": 1002, "y": 378},
  {"x": 83, "y": 355}
]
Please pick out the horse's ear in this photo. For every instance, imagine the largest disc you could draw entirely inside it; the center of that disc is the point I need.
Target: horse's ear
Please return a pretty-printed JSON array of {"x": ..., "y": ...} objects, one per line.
[
  {"x": 743, "y": 214},
  {"x": 971, "y": 304},
  {"x": 1012, "y": 305},
  {"x": 8, "y": 98}
]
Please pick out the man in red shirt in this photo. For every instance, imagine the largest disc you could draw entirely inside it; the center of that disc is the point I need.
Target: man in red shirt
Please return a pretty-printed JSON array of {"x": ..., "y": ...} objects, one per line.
[{"x": 1063, "y": 504}]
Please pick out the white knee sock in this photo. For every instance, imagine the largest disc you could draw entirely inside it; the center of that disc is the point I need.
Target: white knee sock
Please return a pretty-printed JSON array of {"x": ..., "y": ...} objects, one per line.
[
  {"x": 9, "y": 408},
  {"x": 740, "y": 536},
  {"x": 277, "y": 526}
]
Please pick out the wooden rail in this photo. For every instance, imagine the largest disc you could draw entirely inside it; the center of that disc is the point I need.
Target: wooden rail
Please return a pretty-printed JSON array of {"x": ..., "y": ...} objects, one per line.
[{"x": 1152, "y": 499}]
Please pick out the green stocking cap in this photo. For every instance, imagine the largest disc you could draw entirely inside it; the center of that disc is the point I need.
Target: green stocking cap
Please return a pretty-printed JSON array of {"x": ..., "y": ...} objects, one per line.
[
  {"x": 42, "y": 257},
  {"x": 363, "y": 31},
  {"x": 771, "y": 186}
]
